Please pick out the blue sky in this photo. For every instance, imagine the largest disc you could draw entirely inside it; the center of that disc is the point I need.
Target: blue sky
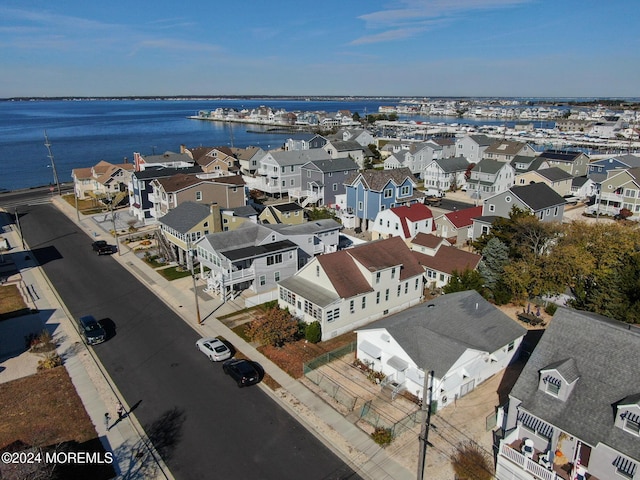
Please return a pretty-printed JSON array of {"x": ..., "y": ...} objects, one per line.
[{"x": 560, "y": 48}]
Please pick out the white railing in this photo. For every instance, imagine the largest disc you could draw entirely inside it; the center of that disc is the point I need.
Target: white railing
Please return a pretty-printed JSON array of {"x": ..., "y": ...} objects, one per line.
[
  {"x": 527, "y": 464},
  {"x": 612, "y": 197}
]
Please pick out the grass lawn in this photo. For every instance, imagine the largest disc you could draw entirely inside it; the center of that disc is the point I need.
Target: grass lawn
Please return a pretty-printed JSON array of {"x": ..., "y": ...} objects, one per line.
[
  {"x": 12, "y": 303},
  {"x": 43, "y": 409},
  {"x": 172, "y": 273}
]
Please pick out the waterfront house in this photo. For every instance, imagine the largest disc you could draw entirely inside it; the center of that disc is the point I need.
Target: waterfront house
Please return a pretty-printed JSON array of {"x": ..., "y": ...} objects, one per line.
[
  {"x": 574, "y": 411},
  {"x": 405, "y": 222},
  {"x": 279, "y": 171},
  {"x": 167, "y": 160},
  {"x": 416, "y": 158},
  {"x": 248, "y": 158},
  {"x": 361, "y": 135},
  {"x": 489, "y": 177},
  {"x": 322, "y": 180},
  {"x": 559, "y": 180},
  {"x": 141, "y": 197},
  {"x": 351, "y": 288},
  {"x": 507, "y": 150},
  {"x": 575, "y": 163},
  {"x": 104, "y": 179},
  {"x": 182, "y": 226},
  {"x": 537, "y": 198},
  {"x": 472, "y": 147},
  {"x": 169, "y": 192},
  {"x": 460, "y": 336},
  {"x": 457, "y": 226},
  {"x": 372, "y": 191},
  {"x": 597, "y": 169}
]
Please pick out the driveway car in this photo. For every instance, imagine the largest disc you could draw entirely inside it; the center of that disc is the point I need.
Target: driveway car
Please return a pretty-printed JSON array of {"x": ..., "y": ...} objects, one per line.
[
  {"x": 101, "y": 247},
  {"x": 242, "y": 371},
  {"x": 91, "y": 330},
  {"x": 214, "y": 349}
]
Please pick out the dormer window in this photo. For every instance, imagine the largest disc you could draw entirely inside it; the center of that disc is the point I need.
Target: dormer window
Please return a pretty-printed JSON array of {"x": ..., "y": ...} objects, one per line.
[
  {"x": 552, "y": 385},
  {"x": 632, "y": 424}
]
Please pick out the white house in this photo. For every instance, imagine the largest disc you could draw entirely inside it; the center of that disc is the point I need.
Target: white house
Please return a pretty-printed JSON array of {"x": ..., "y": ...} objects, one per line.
[
  {"x": 460, "y": 336},
  {"x": 350, "y": 288},
  {"x": 472, "y": 147},
  {"x": 404, "y": 222}
]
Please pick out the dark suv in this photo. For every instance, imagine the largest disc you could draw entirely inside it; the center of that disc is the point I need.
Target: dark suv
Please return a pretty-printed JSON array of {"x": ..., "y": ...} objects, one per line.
[
  {"x": 91, "y": 330},
  {"x": 242, "y": 371},
  {"x": 101, "y": 247}
]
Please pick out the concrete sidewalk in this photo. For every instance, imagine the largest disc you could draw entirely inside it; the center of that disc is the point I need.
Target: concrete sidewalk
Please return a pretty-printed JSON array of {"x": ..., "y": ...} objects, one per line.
[
  {"x": 348, "y": 441},
  {"x": 134, "y": 457}
]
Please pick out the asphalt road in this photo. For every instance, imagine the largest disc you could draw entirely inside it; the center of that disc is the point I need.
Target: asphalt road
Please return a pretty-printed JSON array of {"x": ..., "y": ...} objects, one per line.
[{"x": 203, "y": 425}]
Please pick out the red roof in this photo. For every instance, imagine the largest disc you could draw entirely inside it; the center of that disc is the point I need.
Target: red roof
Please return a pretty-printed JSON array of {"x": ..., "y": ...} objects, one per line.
[
  {"x": 414, "y": 213},
  {"x": 448, "y": 259},
  {"x": 464, "y": 218}
]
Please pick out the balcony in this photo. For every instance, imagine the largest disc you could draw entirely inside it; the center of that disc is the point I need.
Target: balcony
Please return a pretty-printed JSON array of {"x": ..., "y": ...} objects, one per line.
[{"x": 533, "y": 464}]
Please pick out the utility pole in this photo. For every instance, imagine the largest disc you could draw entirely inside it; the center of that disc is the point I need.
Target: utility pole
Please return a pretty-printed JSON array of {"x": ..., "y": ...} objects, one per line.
[
  {"x": 113, "y": 221},
  {"x": 424, "y": 433},
  {"x": 193, "y": 277},
  {"x": 53, "y": 163}
]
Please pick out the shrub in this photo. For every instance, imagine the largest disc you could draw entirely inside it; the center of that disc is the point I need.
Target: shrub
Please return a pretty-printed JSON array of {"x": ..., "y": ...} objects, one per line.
[
  {"x": 52, "y": 360},
  {"x": 382, "y": 436},
  {"x": 313, "y": 332},
  {"x": 470, "y": 461},
  {"x": 550, "y": 309},
  {"x": 273, "y": 327}
]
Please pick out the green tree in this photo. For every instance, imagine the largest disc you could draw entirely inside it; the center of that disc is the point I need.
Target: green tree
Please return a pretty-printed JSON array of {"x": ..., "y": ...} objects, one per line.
[
  {"x": 313, "y": 332},
  {"x": 467, "y": 280},
  {"x": 494, "y": 257},
  {"x": 273, "y": 326},
  {"x": 320, "y": 213}
]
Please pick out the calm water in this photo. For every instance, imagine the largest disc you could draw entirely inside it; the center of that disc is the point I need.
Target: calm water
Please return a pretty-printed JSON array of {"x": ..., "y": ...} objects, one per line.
[{"x": 82, "y": 133}]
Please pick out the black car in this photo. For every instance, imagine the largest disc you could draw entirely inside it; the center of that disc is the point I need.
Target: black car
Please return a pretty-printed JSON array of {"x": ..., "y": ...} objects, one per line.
[
  {"x": 101, "y": 247},
  {"x": 242, "y": 371},
  {"x": 91, "y": 330}
]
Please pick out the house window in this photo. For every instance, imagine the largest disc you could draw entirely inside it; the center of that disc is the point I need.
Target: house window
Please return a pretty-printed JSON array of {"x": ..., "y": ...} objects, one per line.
[
  {"x": 417, "y": 283},
  {"x": 317, "y": 270},
  {"x": 393, "y": 272},
  {"x": 377, "y": 297},
  {"x": 632, "y": 424},
  {"x": 492, "y": 208},
  {"x": 625, "y": 468},
  {"x": 406, "y": 287},
  {"x": 377, "y": 277},
  {"x": 360, "y": 205},
  {"x": 292, "y": 182},
  {"x": 263, "y": 280},
  {"x": 404, "y": 191},
  {"x": 273, "y": 259},
  {"x": 507, "y": 199},
  {"x": 388, "y": 193},
  {"x": 555, "y": 212},
  {"x": 308, "y": 173},
  {"x": 284, "y": 183},
  {"x": 352, "y": 306},
  {"x": 276, "y": 276},
  {"x": 484, "y": 230},
  {"x": 553, "y": 386},
  {"x": 198, "y": 196},
  {"x": 511, "y": 346},
  {"x": 364, "y": 302},
  {"x": 399, "y": 290},
  {"x": 335, "y": 187},
  {"x": 333, "y": 315},
  {"x": 386, "y": 295}
]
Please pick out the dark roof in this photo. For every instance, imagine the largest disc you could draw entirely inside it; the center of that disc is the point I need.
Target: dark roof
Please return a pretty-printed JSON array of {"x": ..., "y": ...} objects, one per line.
[
  {"x": 335, "y": 165},
  {"x": 161, "y": 172},
  {"x": 185, "y": 216},
  {"x": 259, "y": 250},
  {"x": 554, "y": 174},
  {"x": 538, "y": 196},
  {"x": 605, "y": 353},
  {"x": 453, "y": 164},
  {"x": 286, "y": 207},
  {"x": 449, "y": 259},
  {"x": 435, "y": 334},
  {"x": 488, "y": 165},
  {"x": 561, "y": 155},
  {"x": 244, "y": 211},
  {"x": 376, "y": 180}
]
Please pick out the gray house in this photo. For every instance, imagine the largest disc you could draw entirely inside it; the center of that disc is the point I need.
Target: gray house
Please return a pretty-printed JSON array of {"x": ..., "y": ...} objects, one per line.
[
  {"x": 575, "y": 409},
  {"x": 251, "y": 257},
  {"x": 322, "y": 180}
]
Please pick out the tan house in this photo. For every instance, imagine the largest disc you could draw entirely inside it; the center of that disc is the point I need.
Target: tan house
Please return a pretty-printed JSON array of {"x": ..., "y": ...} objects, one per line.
[
  {"x": 506, "y": 150},
  {"x": 621, "y": 189},
  {"x": 558, "y": 179},
  {"x": 289, "y": 213},
  {"x": 217, "y": 160},
  {"x": 101, "y": 180},
  {"x": 168, "y": 193},
  {"x": 576, "y": 163},
  {"x": 233, "y": 218},
  {"x": 457, "y": 226}
]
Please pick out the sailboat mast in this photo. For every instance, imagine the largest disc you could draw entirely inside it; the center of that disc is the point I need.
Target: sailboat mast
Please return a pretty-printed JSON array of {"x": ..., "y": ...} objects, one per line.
[{"x": 53, "y": 163}]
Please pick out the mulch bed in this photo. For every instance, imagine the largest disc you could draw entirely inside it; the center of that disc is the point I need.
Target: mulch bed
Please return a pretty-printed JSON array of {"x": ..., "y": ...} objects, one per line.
[{"x": 293, "y": 355}]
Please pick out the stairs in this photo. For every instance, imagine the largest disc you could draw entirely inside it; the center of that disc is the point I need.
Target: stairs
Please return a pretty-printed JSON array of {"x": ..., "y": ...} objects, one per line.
[{"x": 164, "y": 249}]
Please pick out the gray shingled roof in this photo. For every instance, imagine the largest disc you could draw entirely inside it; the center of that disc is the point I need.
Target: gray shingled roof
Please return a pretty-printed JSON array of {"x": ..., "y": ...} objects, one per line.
[
  {"x": 185, "y": 216},
  {"x": 488, "y": 165},
  {"x": 298, "y": 157},
  {"x": 310, "y": 291},
  {"x": 538, "y": 196},
  {"x": 335, "y": 165},
  {"x": 606, "y": 354},
  {"x": 554, "y": 174},
  {"x": 316, "y": 226},
  {"x": 248, "y": 234},
  {"x": 437, "y": 333},
  {"x": 453, "y": 164}
]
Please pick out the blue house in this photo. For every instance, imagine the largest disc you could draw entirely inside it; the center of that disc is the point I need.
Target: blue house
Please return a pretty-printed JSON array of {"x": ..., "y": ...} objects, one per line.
[
  {"x": 372, "y": 191},
  {"x": 597, "y": 170}
]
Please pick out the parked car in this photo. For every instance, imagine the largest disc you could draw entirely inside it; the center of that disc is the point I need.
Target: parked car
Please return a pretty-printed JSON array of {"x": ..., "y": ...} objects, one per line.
[
  {"x": 214, "y": 349},
  {"x": 91, "y": 330},
  {"x": 242, "y": 371},
  {"x": 101, "y": 247}
]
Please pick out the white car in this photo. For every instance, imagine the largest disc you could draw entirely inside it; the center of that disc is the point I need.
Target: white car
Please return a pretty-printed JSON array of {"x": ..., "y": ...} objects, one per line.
[{"x": 214, "y": 349}]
